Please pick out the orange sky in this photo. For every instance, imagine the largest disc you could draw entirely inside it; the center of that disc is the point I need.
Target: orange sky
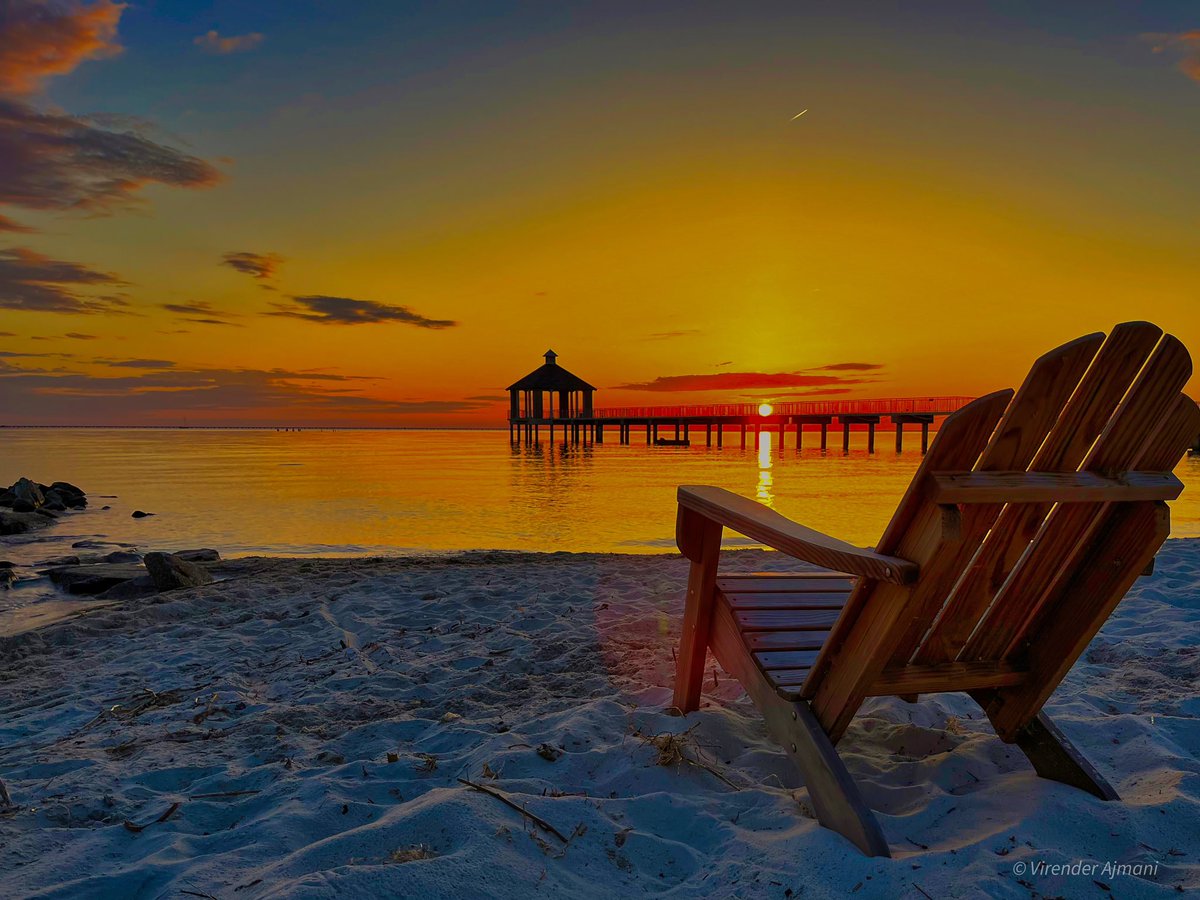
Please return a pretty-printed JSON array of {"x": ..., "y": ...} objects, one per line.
[{"x": 325, "y": 224}]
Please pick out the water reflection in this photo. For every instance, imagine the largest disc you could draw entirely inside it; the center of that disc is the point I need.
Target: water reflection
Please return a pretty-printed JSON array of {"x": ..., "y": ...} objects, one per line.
[{"x": 766, "y": 480}]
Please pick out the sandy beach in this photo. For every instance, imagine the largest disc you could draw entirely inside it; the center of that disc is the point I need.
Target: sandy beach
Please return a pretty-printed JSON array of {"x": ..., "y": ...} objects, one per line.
[{"x": 305, "y": 728}]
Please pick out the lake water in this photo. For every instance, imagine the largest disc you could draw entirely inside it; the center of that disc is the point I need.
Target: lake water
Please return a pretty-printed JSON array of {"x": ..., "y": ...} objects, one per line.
[{"x": 389, "y": 492}]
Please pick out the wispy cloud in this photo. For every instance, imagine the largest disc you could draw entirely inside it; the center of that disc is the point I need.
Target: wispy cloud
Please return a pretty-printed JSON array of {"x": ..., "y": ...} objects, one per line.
[
  {"x": 214, "y": 42},
  {"x": 52, "y": 160},
  {"x": 260, "y": 266},
  {"x": 138, "y": 363},
  {"x": 738, "y": 381},
  {"x": 668, "y": 335},
  {"x": 1182, "y": 46},
  {"x": 147, "y": 394},
  {"x": 201, "y": 313},
  {"x": 78, "y": 336},
  {"x": 7, "y": 224},
  {"x": 39, "y": 40},
  {"x": 847, "y": 367},
  {"x": 346, "y": 311},
  {"x": 32, "y": 282}
]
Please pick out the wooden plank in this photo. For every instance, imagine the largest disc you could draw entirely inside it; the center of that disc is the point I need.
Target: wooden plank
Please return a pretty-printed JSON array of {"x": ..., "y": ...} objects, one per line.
[
  {"x": 786, "y": 619},
  {"x": 1108, "y": 378},
  {"x": 785, "y": 640},
  {"x": 756, "y": 521},
  {"x": 1058, "y": 631},
  {"x": 785, "y": 659},
  {"x": 1055, "y": 757},
  {"x": 786, "y": 601},
  {"x": 1053, "y": 487},
  {"x": 1026, "y": 422},
  {"x": 945, "y": 677},
  {"x": 700, "y": 541},
  {"x": 865, "y": 636},
  {"x": 1064, "y": 537},
  {"x": 835, "y": 798},
  {"x": 788, "y": 678},
  {"x": 761, "y": 584}
]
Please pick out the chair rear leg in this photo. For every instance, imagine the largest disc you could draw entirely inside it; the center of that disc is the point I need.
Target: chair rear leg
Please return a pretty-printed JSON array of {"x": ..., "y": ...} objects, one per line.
[{"x": 1056, "y": 758}]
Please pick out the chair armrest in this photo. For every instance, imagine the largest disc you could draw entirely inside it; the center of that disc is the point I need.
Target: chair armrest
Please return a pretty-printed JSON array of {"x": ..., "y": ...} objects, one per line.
[{"x": 762, "y": 524}]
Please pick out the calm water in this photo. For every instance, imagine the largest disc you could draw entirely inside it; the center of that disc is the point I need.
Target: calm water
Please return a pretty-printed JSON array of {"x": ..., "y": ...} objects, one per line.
[{"x": 372, "y": 492}]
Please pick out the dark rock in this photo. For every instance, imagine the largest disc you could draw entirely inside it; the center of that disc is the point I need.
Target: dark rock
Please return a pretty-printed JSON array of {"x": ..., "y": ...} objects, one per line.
[
  {"x": 205, "y": 555},
  {"x": 29, "y": 491},
  {"x": 5, "y": 564},
  {"x": 59, "y": 561},
  {"x": 93, "y": 579},
  {"x": 67, "y": 489},
  {"x": 7, "y": 578},
  {"x": 48, "y": 513},
  {"x": 142, "y": 586},
  {"x": 54, "y": 501},
  {"x": 7, "y": 498},
  {"x": 170, "y": 572},
  {"x": 123, "y": 556},
  {"x": 138, "y": 514},
  {"x": 21, "y": 522},
  {"x": 106, "y": 507},
  {"x": 22, "y": 505}
]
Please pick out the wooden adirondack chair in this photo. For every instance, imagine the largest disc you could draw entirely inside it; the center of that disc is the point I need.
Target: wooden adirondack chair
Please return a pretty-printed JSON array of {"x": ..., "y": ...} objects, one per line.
[{"x": 1026, "y": 523}]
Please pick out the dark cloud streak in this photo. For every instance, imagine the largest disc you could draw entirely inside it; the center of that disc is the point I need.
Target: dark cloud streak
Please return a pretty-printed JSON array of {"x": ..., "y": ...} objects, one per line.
[{"x": 346, "y": 311}]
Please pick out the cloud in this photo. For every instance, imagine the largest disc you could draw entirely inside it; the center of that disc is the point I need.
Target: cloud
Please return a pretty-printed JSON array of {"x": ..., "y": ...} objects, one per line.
[
  {"x": 8, "y": 334},
  {"x": 7, "y": 224},
  {"x": 201, "y": 313},
  {"x": 228, "y": 394},
  {"x": 262, "y": 266},
  {"x": 848, "y": 367},
  {"x": 213, "y": 42},
  {"x": 52, "y": 160},
  {"x": 39, "y": 40},
  {"x": 667, "y": 335},
  {"x": 77, "y": 336},
  {"x": 32, "y": 282},
  {"x": 734, "y": 381},
  {"x": 345, "y": 311},
  {"x": 1184, "y": 46},
  {"x": 138, "y": 363}
]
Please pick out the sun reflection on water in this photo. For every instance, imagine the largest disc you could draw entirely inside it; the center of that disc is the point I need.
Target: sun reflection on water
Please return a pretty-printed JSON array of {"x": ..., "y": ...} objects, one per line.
[{"x": 766, "y": 480}]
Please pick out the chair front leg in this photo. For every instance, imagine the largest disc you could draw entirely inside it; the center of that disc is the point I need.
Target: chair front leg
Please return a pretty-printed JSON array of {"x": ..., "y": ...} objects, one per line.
[{"x": 699, "y": 540}]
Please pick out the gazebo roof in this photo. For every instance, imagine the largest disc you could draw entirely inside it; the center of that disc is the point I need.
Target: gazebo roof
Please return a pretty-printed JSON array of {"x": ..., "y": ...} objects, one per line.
[{"x": 551, "y": 377}]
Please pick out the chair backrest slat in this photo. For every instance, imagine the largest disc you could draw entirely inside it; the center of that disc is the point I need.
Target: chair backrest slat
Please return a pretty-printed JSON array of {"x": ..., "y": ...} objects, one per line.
[
  {"x": 864, "y": 635},
  {"x": 993, "y": 579},
  {"x": 1056, "y": 550},
  {"x": 1059, "y": 630},
  {"x": 1106, "y": 382},
  {"x": 1022, "y": 430}
]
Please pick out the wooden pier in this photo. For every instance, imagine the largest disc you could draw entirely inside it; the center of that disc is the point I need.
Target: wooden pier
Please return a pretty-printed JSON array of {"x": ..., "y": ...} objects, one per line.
[
  {"x": 681, "y": 425},
  {"x": 552, "y": 398}
]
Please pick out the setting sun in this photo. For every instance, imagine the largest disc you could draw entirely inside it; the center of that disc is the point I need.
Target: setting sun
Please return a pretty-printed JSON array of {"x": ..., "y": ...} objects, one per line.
[{"x": 765, "y": 409}]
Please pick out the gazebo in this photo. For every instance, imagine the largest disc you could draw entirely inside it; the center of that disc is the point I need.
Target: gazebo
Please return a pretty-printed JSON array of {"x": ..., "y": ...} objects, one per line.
[{"x": 548, "y": 394}]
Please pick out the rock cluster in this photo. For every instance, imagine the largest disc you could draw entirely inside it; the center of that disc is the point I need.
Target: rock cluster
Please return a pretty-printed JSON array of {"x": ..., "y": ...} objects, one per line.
[
  {"x": 28, "y": 505},
  {"x": 123, "y": 574}
]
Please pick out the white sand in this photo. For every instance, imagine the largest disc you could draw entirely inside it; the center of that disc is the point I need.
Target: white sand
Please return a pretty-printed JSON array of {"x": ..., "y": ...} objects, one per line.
[{"x": 477, "y": 661}]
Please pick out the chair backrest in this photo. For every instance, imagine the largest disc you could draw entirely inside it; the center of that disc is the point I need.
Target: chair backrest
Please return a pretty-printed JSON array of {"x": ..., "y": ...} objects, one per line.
[{"x": 1030, "y": 517}]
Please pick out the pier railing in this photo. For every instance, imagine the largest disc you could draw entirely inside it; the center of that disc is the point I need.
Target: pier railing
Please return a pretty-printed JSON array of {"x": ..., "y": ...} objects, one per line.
[{"x": 938, "y": 406}]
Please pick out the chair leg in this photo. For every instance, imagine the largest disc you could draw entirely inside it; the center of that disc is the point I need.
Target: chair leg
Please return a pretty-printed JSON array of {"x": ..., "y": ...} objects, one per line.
[
  {"x": 836, "y": 800},
  {"x": 700, "y": 541},
  {"x": 838, "y": 804},
  {"x": 1056, "y": 758}
]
